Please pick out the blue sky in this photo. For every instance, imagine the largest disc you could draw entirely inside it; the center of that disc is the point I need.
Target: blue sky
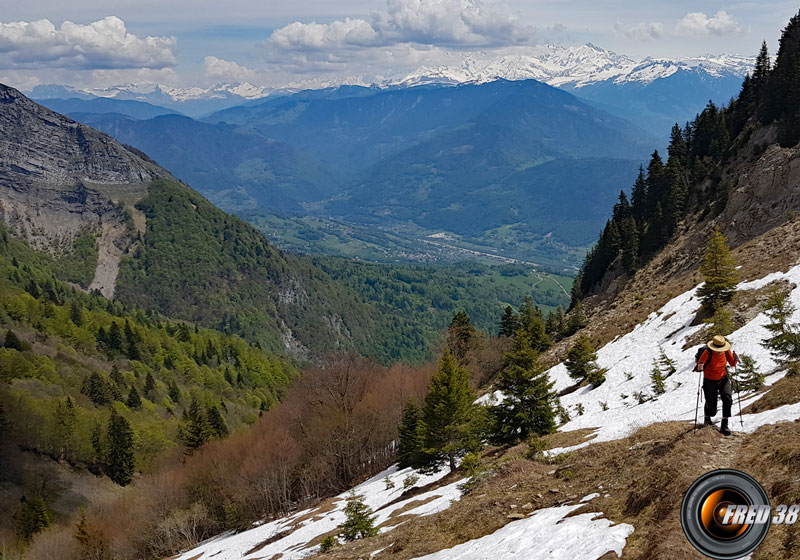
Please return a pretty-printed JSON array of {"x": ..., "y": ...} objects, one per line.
[{"x": 271, "y": 42}]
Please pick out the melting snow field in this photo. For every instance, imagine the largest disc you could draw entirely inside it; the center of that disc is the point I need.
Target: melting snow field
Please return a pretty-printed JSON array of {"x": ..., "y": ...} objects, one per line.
[
  {"x": 307, "y": 525},
  {"x": 668, "y": 328},
  {"x": 547, "y": 534}
]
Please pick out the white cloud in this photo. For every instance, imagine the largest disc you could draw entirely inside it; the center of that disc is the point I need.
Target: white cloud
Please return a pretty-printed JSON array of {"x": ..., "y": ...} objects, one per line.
[
  {"x": 640, "y": 31},
  {"x": 453, "y": 23},
  {"x": 698, "y": 23},
  {"x": 217, "y": 69},
  {"x": 103, "y": 44}
]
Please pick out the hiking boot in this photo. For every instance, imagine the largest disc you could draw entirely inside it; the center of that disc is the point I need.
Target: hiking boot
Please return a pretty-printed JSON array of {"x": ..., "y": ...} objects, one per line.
[
  {"x": 723, "y": 429},
  {"x": 708, "y": 422}
]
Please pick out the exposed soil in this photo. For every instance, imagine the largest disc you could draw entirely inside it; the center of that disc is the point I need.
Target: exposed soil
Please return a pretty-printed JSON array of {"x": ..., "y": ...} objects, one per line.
[{"x": 641, "y": 480}]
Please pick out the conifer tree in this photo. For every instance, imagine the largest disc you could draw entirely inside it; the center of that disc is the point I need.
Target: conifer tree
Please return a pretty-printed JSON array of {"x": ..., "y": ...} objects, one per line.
[
  {"x": 762, "y": 69},
  {"x": 175, "y": 392},
  {"x": 460, "y": 335},
  {"x": 657, "y": 379},
  {"x": 582, "y": 364},
  {"x": 666, "y": 364},
  {"x": 529, "y": 402},
  {"x": 98, "y": 389},
  {"x": 359, "y": 522},
  {"x": 217, "y": 422},
  {"x": 76, "y": 313},
  {"x": 446, "y": 426},
  {"x": 134, "y": 400},
  {"x": 783, "y": 341},
  {"x": 639, "y": 196},
  {"x": 720, "y": 274},
  {"x": 577, "y": 319},
  {"x": 509, "y": 323},
  {"x": 34, "y": 516},
  {"x": 195, "y": 430},
  {"x": 11, "y": 341},
  {"x": 721, "y": 323},
  {"x": 149, "y": 386},
  {"x": 748, "y": 376},
  {"x": 120, "y": 459},
  {"x": 114, "y": 338},
  {"x": 531, "y": 323},
  {"x": 65, "y": 419},
  {"x": 408, "y": 449}
]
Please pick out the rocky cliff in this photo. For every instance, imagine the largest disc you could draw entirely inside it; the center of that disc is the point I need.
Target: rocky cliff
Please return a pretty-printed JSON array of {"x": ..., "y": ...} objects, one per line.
[{"x": 59, "y": 178}]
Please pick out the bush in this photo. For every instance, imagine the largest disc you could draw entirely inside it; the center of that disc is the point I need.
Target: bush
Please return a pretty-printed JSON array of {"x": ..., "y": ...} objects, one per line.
[
  {"x": 409, "y": 481},
  {"x": 328, "y": 543}
]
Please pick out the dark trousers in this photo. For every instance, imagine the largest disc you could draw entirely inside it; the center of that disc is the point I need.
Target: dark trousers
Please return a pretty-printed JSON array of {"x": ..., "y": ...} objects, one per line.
[{"x": 721, "y": 387}]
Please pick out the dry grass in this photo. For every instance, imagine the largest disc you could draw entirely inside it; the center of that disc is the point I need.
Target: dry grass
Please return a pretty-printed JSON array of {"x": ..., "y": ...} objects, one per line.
[
  {"x": 644, "y": 475},
  {"x": 785, "y": 391}
]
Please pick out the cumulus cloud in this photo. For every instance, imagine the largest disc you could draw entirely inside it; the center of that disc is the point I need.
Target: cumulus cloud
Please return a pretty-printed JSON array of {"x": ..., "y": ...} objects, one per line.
[
  {"x": 451, "y": 23},
  {"x": 640, "y": 31},
  {"x": 103, "y": 44},
  {"x": 698, "y": 23},
  {"x": 218, "y": 69}
]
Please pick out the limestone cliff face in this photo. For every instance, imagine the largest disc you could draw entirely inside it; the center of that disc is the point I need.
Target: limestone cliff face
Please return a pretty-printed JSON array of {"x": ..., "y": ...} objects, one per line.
[{"x": 59, "y": 178}]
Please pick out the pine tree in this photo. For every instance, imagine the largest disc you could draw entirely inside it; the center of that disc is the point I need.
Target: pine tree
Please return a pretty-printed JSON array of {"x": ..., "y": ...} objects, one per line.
[
  {"x": 667, "y": 364},
  {"x": 509, "y": 323},
  {"x": 630, "y": 244},
  {"x": 195, "y": 430},
  {"x": 762, "y": 69},
  {"x": 34, "y": 516},
  {"x": 582, "y": 364},
  {"x": 408, "y": 449},
  {"x": 748, "y": 377},
  {"x": 529, "y": 402},
  {"x": 639, "y": 197},
  {"x": 721, "y": 323},
  {"x": 720, "y": 274},
  {"x": 98, "y": 389},
  {"x": 359, "y": 522},
  {"x": 65, "y": 419},
  {"x": 657, "y": 379},
  {"x": 175, "y": 392},
  {"x": 784, "y": 339},
  {"x": 531, "y": 323},
  {"x": 577, "y": 319},
  {"x": 446, "y": 425},
  {"x": 120, "y": 459},
  {"x": 134, "y": 400},
  {"x": 217, "y": 422},
  {"x": 149, "y": 386},
  {"x": 114, "y": 338},
  {"x": 460, "y": 335},
  {"x": 76, "y": 313},
  {"x": 11, "y": 341}
]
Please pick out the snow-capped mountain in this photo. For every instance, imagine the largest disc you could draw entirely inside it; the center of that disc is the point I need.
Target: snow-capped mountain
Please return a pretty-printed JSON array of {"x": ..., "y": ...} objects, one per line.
[{"x": 574, "y": 67}]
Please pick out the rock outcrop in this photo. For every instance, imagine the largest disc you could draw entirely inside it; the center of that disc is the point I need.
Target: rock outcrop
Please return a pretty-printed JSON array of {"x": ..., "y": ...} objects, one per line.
[{"x": 59, "y": 178}]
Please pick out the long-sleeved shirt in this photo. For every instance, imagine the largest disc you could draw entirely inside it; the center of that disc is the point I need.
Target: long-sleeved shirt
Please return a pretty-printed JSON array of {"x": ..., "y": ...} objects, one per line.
[{"x": 716, "y": 365}]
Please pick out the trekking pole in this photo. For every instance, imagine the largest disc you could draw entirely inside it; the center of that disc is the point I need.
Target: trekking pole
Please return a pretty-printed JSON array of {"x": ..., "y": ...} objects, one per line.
[
  {"x": 697, "y": 406},
  {"x": 738, "y": 393}
]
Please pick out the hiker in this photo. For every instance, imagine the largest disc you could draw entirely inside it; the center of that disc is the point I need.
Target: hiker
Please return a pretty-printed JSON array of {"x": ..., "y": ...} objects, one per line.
[{"x": 714, "y": 362}]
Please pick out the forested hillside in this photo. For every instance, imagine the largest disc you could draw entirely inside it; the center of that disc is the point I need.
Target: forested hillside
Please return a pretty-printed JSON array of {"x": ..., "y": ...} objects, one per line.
[
  {"x": 94, "y": 385},
  {"x": 705, "y": 162}
]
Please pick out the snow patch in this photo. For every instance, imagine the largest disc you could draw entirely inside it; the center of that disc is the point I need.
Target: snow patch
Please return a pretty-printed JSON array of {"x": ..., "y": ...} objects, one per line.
[
  {"x": 632, "y": 355},
  {"x": 546, "y": 535},
  {"x": 316, "y": 522}
]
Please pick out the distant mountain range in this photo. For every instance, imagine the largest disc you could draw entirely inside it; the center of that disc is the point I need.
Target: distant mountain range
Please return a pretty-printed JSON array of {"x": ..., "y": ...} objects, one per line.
[
  {"x": 588, "y": 70},
  {"x": 479, "y": 162}
]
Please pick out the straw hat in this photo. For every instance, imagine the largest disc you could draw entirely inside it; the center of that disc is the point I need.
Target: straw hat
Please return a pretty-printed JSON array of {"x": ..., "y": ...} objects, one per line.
[{"x": 719, "y": 344}]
